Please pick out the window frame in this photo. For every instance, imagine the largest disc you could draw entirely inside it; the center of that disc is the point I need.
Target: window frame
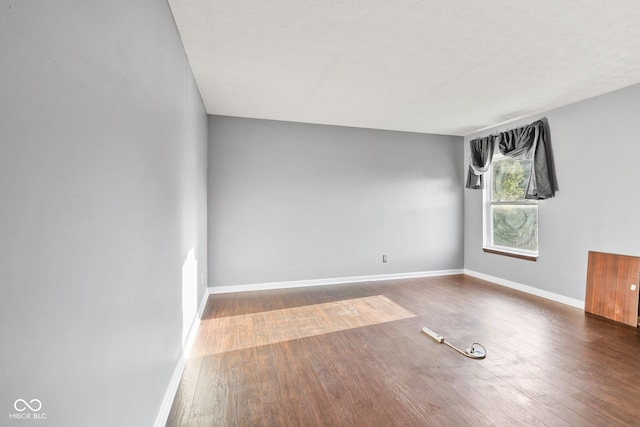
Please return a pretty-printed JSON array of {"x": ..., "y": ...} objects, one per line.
[{"x": 487, "y": 220}]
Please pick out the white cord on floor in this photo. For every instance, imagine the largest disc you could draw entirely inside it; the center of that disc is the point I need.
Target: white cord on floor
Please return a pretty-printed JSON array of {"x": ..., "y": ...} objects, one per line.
[{"x": 476, "y": 351}]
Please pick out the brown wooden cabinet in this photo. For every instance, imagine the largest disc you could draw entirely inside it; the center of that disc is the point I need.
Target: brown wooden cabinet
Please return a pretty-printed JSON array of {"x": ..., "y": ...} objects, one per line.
[{"x": 612, "y": 287}]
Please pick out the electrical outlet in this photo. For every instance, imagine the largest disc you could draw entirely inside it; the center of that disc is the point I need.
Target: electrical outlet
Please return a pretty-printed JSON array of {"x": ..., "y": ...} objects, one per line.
[
  {"x": 633, "y": 287},
  {"x": 384, "y": 258}
]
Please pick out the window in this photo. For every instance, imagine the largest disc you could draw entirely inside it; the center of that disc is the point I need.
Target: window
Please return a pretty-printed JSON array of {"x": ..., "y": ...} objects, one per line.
[{"x": 511, "y": 221}]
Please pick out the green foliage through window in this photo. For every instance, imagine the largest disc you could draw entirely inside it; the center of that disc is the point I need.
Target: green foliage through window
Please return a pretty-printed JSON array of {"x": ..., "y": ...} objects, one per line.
[{"x": 510, "y": 178}]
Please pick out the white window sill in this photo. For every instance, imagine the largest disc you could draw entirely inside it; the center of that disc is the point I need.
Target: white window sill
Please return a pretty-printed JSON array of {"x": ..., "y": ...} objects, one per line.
[{"x": 505, "y": 252}]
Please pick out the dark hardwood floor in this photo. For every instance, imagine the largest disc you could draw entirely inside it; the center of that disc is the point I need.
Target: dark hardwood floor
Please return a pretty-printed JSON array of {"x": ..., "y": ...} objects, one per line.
[{"x": 354, "y": 355}]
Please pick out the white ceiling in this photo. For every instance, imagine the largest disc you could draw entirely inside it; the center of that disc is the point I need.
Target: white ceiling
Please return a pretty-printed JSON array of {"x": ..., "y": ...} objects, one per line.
[{"x": 433, "y": 66}]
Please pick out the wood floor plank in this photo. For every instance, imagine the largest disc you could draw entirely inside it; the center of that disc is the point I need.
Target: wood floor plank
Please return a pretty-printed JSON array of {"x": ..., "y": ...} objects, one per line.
[
  {"x": 250, "y": 407},
  {"x": 616, "y": 410},
  {"x": 270, "y": 390},
  {"x": 290, "y": 385},
  {"x": 458, "y": 415},
  {"x": 211, "y": 390},
  {"x": 204, "y": 421},
  {"x": 300, "y": 413},
  {"x": 303, "y": 368},
  {"x": 276, "y": 414},
  {"x": 323, "y": 411}
]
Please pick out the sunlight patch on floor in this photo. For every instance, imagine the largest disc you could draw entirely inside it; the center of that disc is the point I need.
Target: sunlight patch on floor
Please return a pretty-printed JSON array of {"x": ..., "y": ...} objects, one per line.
[{"x": 224, "y": 334}]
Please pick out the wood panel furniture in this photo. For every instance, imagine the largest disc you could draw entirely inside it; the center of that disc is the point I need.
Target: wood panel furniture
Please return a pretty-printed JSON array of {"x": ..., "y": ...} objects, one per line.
[{"x": 612, "y": 287}]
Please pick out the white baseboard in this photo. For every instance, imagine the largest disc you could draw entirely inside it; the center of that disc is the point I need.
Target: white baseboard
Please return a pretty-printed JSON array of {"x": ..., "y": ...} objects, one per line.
[
  {"x": 332, "y": 281},
  {"x": 528, "y": 289},
  {"x": 174, "y": 383}
]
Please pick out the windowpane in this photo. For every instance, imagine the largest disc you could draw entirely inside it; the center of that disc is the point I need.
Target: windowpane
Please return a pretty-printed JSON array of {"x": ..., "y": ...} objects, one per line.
[
  {"x": 515, "y": 226},
  {"x": 510, "y": 178}
]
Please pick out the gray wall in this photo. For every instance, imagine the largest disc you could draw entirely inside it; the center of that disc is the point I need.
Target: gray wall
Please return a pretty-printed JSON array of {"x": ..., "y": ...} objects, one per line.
[
  {"x": 103, "y": 195},
  {"x": 291, "y": 201},
  {"x": 596, "y": 149}
]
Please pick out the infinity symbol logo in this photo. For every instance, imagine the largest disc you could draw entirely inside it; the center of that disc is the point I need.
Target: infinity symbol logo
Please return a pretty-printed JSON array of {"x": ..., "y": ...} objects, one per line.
[{"x": 21, "y": 405}]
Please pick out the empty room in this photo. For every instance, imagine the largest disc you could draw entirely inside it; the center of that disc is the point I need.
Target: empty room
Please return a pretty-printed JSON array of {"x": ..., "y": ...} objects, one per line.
[{"x": 306, "y": 213}]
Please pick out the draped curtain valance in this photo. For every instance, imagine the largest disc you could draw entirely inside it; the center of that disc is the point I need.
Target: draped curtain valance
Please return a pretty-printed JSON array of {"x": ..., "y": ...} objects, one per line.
[{"x": 527, "y": 142}]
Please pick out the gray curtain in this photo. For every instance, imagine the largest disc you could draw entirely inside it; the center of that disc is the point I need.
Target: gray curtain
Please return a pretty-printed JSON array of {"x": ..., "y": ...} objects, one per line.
[
  {"x": 530, "y": 142},
  {"x": 527, "y": 142},
  {"x": 479, "y": 161}
]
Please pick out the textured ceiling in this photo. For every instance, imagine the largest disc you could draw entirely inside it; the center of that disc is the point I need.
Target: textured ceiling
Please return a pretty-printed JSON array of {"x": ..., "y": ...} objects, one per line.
[{"x": 448, "y": 67}]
